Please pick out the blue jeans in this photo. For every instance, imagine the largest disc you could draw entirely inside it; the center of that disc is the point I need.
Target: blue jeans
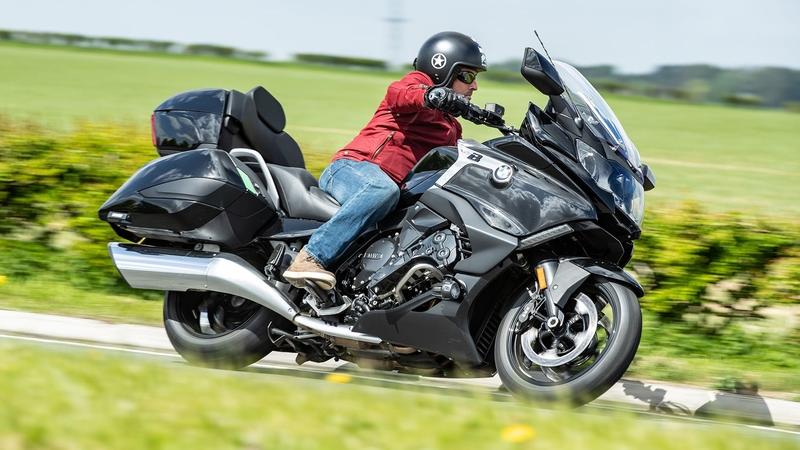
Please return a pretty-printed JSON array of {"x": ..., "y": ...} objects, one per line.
[{"x": 366, "y": 194}]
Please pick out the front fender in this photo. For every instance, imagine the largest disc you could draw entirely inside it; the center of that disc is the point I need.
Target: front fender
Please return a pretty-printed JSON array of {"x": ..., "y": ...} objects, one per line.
[{"x": 572, "y": 272}]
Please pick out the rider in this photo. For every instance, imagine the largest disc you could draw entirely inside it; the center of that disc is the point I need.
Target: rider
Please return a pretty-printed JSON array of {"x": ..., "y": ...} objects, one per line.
[{"x": 417, "y": 114}]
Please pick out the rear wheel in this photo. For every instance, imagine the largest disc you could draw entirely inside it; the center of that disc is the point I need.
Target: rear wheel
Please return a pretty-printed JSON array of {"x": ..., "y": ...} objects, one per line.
[
  {"x": 578, "y": 360},
  {"x": 217, "y": 330}
]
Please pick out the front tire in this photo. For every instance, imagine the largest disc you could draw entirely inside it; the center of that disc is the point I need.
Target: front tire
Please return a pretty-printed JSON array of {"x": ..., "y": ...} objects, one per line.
[
  {"x": 217, "y": 330},
  {"x": 587, "y": 377}
]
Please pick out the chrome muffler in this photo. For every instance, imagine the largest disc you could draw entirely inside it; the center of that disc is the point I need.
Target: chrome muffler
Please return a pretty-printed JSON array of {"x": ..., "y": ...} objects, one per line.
[{"x": 167, "y": 269}]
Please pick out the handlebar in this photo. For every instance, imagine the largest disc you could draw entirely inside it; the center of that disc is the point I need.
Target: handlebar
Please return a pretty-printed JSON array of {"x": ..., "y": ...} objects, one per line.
[{"x": 480, "y": 116}]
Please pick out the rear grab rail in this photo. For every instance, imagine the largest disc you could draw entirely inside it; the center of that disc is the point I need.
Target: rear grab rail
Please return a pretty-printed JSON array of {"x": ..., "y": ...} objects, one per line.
[{"x": 272, "y": 191}]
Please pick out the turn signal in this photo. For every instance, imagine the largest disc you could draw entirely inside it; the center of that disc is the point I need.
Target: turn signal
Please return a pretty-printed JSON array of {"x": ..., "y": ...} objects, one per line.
[
  {"x": 541, "y": 278},
  {"x": 153, "y": 129}
]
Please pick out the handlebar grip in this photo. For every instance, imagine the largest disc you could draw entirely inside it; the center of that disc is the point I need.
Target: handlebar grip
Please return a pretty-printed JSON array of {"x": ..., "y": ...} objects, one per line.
[{"x": 475, "y": 114}]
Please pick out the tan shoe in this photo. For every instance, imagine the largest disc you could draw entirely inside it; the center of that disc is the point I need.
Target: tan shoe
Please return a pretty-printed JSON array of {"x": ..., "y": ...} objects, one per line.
[{"x": 306, "y": 268}]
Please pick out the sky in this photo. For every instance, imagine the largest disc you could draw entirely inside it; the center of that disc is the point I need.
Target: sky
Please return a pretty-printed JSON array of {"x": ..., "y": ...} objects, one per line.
[{"x": 634, "y": 35}]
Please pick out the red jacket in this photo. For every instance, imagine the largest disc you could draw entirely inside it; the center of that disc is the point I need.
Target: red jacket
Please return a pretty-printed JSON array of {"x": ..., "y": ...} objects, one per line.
[{"x": 402, "y": 130}]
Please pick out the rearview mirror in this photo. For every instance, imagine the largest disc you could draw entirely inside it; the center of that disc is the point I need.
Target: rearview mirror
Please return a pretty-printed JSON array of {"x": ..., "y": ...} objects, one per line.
[
  {"x": 541, "y": 73},
  {"x": 649, "y": 177},
  {"x": 494, "y": 108}
]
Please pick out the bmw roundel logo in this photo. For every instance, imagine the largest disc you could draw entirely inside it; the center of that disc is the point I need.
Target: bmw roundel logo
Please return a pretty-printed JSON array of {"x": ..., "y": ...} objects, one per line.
[
  {"x": 502, "y": 175},
  {"x": 438, "y": 61}
]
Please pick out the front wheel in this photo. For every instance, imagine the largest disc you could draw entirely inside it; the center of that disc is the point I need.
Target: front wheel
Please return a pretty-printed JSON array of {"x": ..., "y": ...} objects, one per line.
[
  {"x": 580, "y": 359},
  {"x": 217, "y": 330}
]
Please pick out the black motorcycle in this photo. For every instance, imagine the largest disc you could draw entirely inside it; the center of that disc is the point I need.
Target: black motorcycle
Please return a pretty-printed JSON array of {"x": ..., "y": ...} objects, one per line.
[{"x": 502, "y": 257}]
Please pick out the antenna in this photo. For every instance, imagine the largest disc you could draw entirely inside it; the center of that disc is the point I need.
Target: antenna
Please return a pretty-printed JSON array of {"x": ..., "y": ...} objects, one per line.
[
  {"x": 543, "y": 47},
  {"x": 577, "y": 119}
]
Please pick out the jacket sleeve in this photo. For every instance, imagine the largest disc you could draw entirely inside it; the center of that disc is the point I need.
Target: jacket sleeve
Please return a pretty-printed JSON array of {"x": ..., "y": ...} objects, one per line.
[{"x": 406, "y": 95}]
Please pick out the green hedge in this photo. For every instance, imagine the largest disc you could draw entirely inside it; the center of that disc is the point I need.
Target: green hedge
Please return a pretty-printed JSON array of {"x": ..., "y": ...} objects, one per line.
[
  {"x": 721, "y": 265},
  {"x": 348, "y": 61},
  {"x": 50, "y": 189},
  {"x": 127, "y": 44},
  {"x": 712, "y": 269}
]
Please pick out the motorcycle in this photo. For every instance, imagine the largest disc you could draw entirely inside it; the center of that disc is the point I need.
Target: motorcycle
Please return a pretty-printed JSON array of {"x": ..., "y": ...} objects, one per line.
[{"x": 503, "y": 257}]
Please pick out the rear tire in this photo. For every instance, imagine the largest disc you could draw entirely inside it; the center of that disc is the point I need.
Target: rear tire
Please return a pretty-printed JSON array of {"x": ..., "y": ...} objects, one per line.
[
  {"x": 588, "y": 383},
  {"x": 225, "y": 344}
]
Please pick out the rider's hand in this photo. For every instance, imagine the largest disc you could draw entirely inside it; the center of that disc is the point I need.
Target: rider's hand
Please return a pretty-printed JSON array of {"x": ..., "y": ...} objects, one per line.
[{"x": 447, "y": 100}]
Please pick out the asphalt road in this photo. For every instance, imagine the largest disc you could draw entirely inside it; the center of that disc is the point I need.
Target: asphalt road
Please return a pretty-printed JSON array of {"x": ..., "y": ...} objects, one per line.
[{"x": 657, "y": 400}]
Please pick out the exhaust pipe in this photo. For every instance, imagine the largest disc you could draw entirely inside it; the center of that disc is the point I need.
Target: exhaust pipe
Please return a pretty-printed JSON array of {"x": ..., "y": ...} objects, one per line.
[{"x": 166, "y": 269}]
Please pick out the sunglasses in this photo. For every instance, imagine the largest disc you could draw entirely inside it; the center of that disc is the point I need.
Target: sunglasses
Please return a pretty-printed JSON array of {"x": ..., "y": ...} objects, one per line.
[{"x": 466, "y": 77}]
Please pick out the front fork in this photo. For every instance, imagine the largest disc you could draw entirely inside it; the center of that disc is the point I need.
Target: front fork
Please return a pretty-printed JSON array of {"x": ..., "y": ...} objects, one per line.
[
  {"x": 541, "y": 304},
  {"x": 556, "y": 282},
  {"x": 545, "y": 274}
]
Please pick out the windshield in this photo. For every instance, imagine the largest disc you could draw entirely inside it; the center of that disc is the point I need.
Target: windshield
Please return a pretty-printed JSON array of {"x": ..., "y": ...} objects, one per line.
[{"x": 596, "y": 113}]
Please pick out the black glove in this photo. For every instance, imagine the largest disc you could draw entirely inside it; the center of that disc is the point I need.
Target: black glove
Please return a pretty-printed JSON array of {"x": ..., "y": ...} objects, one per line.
[{"x": 446, "y": 99}]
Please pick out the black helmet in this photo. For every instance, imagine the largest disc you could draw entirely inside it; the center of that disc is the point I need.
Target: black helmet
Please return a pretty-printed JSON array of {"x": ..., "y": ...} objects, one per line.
[{"x": 444, "y": 52}]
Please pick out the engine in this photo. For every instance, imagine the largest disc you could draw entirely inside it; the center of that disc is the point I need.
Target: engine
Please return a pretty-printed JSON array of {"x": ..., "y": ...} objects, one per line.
[
  {"x": 396, "y": 269},
  {"x": 432, "y": 254}
]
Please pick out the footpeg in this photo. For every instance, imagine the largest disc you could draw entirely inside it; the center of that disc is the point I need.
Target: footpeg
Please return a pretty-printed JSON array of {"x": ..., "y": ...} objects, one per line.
[{"x": 320, "y": 301}]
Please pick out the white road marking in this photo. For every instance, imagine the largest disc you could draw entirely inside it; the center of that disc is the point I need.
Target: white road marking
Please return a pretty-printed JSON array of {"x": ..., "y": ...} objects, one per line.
[
  {"x": 263, "y": 365},
  {"x": 85, "y": 345}
]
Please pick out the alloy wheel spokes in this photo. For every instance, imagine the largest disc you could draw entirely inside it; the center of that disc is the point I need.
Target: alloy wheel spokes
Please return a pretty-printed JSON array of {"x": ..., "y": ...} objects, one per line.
[
  {"x": 588, "y": 325},
  {"x": 205, "y": 324},
  {"x": 220, "y": 314},
  {"x": 540, "y": 353},
  {"x": 218, "y": 319},
  {"x": 605, "y": 323}
]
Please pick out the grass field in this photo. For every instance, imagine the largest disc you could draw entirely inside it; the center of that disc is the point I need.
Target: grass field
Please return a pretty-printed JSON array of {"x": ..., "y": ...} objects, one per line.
[
  {"x": 56, "y": 397},
  {"x": 726, "y": 158}
]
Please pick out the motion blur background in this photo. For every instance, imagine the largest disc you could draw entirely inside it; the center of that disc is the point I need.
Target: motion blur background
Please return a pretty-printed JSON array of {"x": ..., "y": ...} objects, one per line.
[{"x": 709, "y": 91}]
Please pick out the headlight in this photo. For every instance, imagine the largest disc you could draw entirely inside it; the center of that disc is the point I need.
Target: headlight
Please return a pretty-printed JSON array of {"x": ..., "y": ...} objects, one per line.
[
  {"x": 595, "y": 164},
  {"x": 613, "y": 178}
]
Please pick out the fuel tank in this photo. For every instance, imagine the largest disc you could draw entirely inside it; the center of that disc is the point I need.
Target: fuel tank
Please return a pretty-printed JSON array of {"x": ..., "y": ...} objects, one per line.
[{"x": 535, "y": 196}]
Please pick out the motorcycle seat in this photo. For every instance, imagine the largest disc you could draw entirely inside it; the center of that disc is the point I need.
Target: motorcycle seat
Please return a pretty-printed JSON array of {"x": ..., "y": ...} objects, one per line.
[{"x": 300, "y": 195}]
